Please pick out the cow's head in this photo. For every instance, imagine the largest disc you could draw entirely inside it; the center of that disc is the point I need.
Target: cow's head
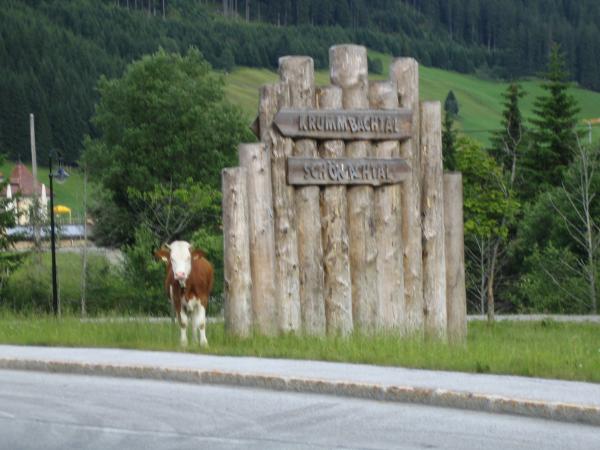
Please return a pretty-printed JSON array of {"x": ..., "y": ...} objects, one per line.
[{"x": 180, "y": 254}]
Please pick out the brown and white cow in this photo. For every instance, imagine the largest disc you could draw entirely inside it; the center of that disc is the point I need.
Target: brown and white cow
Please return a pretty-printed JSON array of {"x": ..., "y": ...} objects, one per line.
[{"x": 188, "y": 284}]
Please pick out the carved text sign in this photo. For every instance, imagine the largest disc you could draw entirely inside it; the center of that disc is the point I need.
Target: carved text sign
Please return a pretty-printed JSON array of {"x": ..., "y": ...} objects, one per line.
[
  {"x": 379, "y": 124},
  {"x": 322, "y": 171}
]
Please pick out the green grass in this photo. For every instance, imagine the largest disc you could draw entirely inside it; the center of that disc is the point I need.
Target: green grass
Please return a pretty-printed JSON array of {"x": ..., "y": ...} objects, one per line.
[
  {"x": 541, "y": 349},
  {"x": 480, "y": 100}
]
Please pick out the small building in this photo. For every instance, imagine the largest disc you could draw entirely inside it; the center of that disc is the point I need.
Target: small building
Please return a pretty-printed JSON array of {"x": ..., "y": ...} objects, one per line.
[{"x": 23, "y": 189}]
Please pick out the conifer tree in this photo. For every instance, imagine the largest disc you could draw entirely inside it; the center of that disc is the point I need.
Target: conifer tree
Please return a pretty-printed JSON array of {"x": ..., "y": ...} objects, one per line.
[
  {"x": 449, "y": 142},
  {"x": 507, "y": 143},
  {"x": 554, "y": 136},
  {"x": 451, "y": 104}
]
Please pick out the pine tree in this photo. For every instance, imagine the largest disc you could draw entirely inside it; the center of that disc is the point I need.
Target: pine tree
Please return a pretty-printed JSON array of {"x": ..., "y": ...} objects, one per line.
[
  {"x": 554, "y": 136},
  {"x": 507, "y": 143},
  {"x": 451, "y": 104},
  {"x": 449, "y": 142}
]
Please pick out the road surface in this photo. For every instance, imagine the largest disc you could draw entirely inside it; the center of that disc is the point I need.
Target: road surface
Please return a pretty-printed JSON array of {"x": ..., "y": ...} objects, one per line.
[{"x": 52, "y": 411}]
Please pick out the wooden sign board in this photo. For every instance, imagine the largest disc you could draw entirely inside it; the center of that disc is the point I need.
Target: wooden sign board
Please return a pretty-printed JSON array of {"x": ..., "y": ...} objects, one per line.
[
  {"x": 364, "y": 124},
  {"x": 332, "y": 171}
]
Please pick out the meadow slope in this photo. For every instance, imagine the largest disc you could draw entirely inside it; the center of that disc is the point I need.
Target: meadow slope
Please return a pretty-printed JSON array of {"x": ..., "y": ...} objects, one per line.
[{"x": 480, "y": 100}]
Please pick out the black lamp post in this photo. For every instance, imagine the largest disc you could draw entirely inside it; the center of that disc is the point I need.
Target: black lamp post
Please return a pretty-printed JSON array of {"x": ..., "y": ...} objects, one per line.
[{"x": 60, "y": 175}]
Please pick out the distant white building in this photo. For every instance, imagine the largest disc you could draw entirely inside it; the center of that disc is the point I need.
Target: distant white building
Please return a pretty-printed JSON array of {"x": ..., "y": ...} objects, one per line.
[{"x": 22, "y": 189}]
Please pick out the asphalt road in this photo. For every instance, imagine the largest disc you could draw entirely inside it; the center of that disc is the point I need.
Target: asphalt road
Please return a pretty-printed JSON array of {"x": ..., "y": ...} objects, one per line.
[{"x": 52, "y": 411}]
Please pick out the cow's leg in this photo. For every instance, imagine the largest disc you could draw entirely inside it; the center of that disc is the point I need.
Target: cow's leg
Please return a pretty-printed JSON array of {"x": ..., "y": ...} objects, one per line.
[
  {"x": 183, "y": 321},
  {"x": 195, "y": 320},
  {"x": 199, "y": 324},
  {"x": 202, "y": 314}
]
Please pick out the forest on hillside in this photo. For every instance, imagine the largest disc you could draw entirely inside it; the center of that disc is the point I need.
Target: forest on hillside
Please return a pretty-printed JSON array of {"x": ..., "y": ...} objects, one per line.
[
  {"x": 52, "y": 52},
  {"x": 518, "y": 33}
]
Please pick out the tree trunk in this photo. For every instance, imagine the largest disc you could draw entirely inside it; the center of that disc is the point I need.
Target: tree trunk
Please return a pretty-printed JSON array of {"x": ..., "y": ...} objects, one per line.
[
  {"x": 334, "y": 211},
  {"x": 491, "y": 308},
  {"x": 388, "y": 224},
  {"x": 297, "y": 73},
  {"x": 456, "y": 295},
  {"x": 256, "y": 159},
  {"x": 237, "y": 284},
  {"x": 432, "y": 207},
  {"x": 348, "y": 70},
  {"x": 405, "y": 72}
]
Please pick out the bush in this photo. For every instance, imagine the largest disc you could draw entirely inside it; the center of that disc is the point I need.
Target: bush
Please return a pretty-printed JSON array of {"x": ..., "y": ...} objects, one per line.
[{"x": 551, "y": 285}]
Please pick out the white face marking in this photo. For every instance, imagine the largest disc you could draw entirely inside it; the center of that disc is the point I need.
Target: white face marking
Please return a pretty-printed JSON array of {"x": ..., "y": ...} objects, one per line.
[{"x": 181, "y": 260}]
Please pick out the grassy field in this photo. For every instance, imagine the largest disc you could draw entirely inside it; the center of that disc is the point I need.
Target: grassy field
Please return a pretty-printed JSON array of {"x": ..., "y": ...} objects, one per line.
[
  {"x": 33, "y": 278},
  {"x": 541, "y": 349},
  {"x": 480, "y": 100}
]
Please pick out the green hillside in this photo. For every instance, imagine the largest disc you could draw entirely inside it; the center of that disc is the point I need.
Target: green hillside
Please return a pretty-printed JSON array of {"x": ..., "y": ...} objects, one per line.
[{"x": 480, "y": 100}]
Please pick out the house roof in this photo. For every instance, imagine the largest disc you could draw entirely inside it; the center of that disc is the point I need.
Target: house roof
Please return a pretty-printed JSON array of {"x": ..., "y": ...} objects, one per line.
[{"x": 21, "y": 181}]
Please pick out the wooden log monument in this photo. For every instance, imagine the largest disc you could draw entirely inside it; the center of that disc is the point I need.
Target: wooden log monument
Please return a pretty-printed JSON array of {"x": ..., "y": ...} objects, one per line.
[{"x": 341, "y": 219}]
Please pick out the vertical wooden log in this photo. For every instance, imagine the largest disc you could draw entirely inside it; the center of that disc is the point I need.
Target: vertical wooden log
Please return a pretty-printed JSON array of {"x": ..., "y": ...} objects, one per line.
[
  {"x": 432, "y": 208},
  {"x": 287, "y": 289},
  {"x": 237, "y": 284},
  {"x": 255, "y": 158},
  {"x": 297, "y": 75},
  {"x": 388, "y": 223},
  {"x": 405, "y": 72},
  {"x": 270, "y": 97},
  {"x": 348, "y": 70},
  {"x": 267, "y": 108},
  {"x": 334, "y": 211},
  {"x": 456, "y": 295}
]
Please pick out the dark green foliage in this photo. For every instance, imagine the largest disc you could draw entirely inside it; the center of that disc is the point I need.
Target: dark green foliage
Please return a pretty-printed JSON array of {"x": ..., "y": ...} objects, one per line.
[
  {"x": 146, "y": 274},
  {"x": 9, "y": 262},
  {"x": 451, "y": 104},
  {"x": 164, "y": 123},
  {"x": 553, "y": 130},
  {"x": 52, "y": 52},
  {"x": 375, "y": 66},
  {"x": 449, "y": 142},
  {"x": 509, "y": 141},
  {"x": 557, "y": 244}
]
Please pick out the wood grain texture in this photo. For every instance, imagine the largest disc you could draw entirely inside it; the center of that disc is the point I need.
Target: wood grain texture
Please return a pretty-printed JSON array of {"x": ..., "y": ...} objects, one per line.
[
  {"x": 256, "y": 159},
  {"x": 405, "y": 73},
  {"x": 287, "y": 283},
  {"x": 345, "y": 124},
  {"x": 334, "y": 233},
  {"x": 432, "y": 209},
  {"x": 237, "y": 285},
  {"x": 348, "y": 70},
  {"x": 456, "y": 295},
  {"x": 348, "y": 171},
  {"x": 297, "y": 75},
  {"x": 388, "y": 225}
]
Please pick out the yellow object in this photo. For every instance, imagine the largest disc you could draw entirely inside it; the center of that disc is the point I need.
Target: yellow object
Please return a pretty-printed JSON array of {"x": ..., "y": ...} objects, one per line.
[{"x": 62, "y": 209}]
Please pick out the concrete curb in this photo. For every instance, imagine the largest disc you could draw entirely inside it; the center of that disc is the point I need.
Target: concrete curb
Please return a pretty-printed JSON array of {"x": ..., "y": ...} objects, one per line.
[{"x": 564, "y": 412}]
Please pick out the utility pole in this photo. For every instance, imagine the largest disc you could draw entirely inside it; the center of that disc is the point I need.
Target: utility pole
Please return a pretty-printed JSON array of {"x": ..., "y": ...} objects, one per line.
[
  {"x": 35, "y": 209},
  {"x": 85, "y": 244}
]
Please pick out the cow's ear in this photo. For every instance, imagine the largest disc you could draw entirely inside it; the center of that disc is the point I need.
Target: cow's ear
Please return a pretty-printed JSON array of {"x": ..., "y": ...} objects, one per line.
[
  {"x": 197, "y": 254},
  {"x": 162, "y": 255}
]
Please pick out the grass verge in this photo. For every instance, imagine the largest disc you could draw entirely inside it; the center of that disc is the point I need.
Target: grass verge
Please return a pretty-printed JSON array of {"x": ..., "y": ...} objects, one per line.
[{"x": 540, "y": 349}]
